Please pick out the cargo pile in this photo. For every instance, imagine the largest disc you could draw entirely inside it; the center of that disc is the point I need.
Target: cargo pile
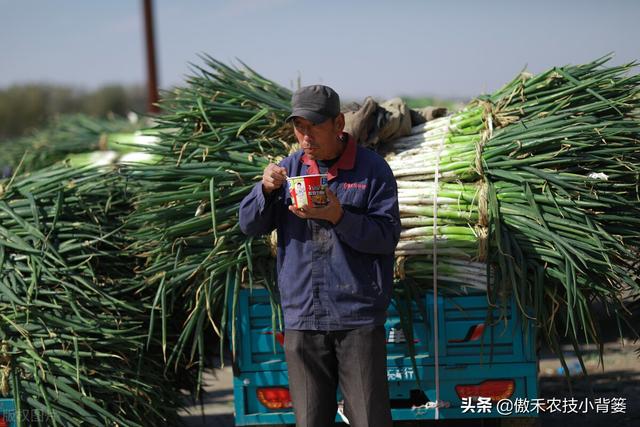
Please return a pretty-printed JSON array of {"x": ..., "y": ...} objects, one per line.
[
  {"x": 117, "y": 278},
  {"x": 73, "y": 335},
  {"x": 541, "y": 181}
]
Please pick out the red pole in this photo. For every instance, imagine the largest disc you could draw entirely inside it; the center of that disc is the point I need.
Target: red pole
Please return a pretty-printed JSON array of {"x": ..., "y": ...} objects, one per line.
[{"x": 152, "y": 79}]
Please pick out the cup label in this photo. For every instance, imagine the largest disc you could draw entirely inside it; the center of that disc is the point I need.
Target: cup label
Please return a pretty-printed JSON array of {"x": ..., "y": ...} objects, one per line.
[{"x": 308, "y": 190}]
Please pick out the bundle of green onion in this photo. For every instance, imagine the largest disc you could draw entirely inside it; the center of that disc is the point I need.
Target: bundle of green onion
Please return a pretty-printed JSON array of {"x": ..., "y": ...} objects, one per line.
[
  {"x": 68, "y": 135},
  {"x": 216, "y": 137},
  {"x": 74, "y": 319},
  {"x": 538, "y": 180},
  {"x": 107, "y": 158},
  {"x": 541, "y": 179}
]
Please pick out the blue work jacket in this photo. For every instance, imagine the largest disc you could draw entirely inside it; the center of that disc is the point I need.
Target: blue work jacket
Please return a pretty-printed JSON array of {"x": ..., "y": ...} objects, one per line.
[{"x": 333, "y": 277}]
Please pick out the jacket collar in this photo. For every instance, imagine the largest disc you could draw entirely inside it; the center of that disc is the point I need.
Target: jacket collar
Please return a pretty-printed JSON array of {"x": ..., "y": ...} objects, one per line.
[{"x": 346, "y": 161}]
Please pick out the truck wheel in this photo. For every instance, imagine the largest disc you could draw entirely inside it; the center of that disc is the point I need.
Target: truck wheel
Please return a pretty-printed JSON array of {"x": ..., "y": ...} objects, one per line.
[{"x": 520, "y": 422}]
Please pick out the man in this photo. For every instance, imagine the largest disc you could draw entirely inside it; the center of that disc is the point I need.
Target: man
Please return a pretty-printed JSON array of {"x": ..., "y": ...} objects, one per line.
[{"x": 334, "y": 263}]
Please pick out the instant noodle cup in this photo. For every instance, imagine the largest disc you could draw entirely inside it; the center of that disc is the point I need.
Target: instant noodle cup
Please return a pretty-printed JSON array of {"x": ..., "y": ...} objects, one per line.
[{"x": 308, "y": 190}]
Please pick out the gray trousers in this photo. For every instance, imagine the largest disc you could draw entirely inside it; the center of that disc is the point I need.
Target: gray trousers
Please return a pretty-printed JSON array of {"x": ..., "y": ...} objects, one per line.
[{"x": 320, "y": 361}]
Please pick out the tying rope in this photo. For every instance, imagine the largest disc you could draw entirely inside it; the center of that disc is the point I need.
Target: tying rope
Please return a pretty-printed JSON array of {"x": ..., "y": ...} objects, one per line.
[
  {"x": 435, "y": 268},
  {"x": 482, "y": 228}
]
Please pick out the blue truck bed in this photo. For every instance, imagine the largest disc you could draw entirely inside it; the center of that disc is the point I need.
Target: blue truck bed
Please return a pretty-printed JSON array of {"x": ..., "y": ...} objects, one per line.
[
  {"x": 7, "y": 412},
  {"x": 475, "y": 359}
]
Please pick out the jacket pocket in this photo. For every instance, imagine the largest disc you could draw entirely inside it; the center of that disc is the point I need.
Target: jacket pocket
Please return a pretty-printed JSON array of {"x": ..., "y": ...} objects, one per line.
[{"x": 353, "y": 196}]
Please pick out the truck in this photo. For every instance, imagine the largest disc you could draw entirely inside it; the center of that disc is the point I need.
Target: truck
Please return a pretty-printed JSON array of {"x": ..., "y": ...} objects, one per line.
[{"x": 485, "y": 368}]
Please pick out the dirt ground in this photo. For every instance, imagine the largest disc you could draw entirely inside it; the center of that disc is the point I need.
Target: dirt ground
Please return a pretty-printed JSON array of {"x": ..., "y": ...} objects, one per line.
[{"x": 620, "y": 378}]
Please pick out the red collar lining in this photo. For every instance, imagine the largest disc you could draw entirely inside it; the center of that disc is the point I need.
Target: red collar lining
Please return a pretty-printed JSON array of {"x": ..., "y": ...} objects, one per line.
[{"x": 346, "y": 161}]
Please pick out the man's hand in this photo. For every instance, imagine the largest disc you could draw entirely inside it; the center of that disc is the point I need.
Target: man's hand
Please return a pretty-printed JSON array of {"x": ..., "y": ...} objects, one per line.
[
  {"x": 332, "y": 212},
  {"x": 273, "y": 178}
]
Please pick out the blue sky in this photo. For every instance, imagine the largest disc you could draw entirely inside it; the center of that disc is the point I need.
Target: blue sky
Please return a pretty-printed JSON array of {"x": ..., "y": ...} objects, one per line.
[{"x": 380, "y": 48}]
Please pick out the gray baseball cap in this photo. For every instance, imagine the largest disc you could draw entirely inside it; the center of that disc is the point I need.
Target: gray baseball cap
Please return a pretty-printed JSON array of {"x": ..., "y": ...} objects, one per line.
[{"x": 315, "y": 103}]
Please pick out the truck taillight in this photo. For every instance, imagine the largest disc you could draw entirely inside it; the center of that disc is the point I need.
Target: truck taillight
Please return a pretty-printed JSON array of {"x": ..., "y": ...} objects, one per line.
[
  {"x": 473, "y": 334},
  {"x": 279, "y": 337},
  {"x": 274, "y": 397},
  {"x": 3, "y": 422},
  {"x": 493, "y": 389}
]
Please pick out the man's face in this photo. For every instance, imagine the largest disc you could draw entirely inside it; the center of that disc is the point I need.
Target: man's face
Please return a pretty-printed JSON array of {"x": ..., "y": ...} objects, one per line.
[{"x": 319, "y": 141}]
